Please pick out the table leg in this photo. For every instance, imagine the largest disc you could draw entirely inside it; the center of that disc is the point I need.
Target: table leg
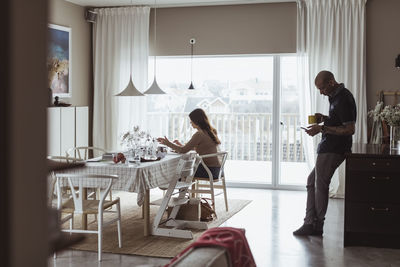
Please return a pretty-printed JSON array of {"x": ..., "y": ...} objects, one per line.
[
  {"x": 84, "y": 216},
  {"x": 146, "y": 211}
]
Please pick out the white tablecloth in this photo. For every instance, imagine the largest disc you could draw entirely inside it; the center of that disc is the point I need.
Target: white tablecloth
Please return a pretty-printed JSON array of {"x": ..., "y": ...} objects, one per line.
[{"x": 132, "y": 178}]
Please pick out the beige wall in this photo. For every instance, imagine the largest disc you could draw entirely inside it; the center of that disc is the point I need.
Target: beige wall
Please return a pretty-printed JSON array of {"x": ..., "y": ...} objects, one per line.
[
  {"x": 383, "y": 46},
  {"x": 67, "y": 14},
  {"x": 236, "y": 29}
]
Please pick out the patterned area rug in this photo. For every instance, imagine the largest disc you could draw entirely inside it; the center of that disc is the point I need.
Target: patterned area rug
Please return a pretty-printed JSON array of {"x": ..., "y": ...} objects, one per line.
[{"x": 133, "y": 241}]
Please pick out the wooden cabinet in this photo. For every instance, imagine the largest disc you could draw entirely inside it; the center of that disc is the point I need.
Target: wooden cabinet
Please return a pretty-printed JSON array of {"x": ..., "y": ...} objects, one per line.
[
  {"x": 372, "y": 200},
  {"x": 66, "y": 127}
]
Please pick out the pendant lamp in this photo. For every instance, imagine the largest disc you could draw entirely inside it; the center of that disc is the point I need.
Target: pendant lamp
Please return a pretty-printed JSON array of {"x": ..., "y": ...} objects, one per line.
[
  {"x": 130, "y": 90},
  {"x": 192, "y": 42},
  {"x": 154, "y": 89}
]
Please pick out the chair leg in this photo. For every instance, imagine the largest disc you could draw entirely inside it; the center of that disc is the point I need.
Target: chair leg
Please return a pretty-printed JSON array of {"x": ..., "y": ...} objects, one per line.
[
  {"x": 213, "y": 201},
  {"x": 119, "y": 224},
  {"x": 212, "y": 195},
  {"x": 71, "y": 223},
  {"x": 99, "y": 234},
  {"x": 193, "y": 190},
  {"x": 225, "y": 195}
]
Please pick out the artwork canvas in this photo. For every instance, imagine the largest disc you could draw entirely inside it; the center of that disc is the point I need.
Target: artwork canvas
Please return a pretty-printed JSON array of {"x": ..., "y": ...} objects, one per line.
[{"x": 59, "y": 60}]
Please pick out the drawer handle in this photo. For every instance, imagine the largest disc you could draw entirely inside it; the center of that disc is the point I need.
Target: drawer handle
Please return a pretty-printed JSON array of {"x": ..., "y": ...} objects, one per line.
[
  {"x": 374, "y": 178},
  {"x": 387, "y": 163},
  {"x": 373, "y": 163},
  {"x": 379, "y": 209}
]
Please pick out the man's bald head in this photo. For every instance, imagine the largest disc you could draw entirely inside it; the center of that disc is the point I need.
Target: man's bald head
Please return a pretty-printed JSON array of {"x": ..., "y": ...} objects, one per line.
[
  {"x": 325, "y": 76},
  {"x": 325, "y": 82}
]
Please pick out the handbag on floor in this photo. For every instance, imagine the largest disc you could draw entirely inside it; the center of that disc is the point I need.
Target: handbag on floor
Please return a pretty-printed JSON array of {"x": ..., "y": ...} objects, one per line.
[
  {"x": 207, "y": 213},
  {"x": 189, "y": 212}
]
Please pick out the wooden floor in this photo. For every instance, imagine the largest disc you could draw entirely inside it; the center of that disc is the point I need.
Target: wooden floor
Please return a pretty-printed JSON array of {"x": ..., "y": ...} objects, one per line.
[{"x": 269, "y": 222}]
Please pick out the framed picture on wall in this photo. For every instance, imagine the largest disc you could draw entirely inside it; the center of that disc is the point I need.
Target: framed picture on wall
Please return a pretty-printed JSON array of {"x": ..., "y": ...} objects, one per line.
[{"x": 59, "y": 60}]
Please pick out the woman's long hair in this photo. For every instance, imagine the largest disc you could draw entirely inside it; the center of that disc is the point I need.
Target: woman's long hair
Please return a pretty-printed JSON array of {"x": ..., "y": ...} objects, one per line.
[{"x": 199, "y": 117}]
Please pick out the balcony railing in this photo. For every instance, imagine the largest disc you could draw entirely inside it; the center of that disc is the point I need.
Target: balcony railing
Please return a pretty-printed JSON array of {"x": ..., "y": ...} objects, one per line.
[{"x": 246, "y": 136}]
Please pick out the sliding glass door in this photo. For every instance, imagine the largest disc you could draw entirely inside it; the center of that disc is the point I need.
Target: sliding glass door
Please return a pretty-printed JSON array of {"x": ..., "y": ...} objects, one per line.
[
  {"x": 293, "y": 170},
  {"x": 240, "y": 96}
]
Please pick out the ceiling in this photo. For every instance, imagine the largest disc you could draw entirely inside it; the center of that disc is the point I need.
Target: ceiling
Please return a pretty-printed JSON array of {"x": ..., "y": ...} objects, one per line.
[{"x": 170, "y": 3}]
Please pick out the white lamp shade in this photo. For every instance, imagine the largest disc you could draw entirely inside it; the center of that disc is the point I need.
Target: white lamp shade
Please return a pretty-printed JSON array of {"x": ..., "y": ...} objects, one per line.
[
  {"x": 154, "y": 89},
  {"x": 130, "y": 90}
]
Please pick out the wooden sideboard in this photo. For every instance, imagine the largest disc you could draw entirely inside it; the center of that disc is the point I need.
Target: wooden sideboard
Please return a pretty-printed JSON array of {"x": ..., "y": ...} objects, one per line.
[{"x": 372, "y": 198}]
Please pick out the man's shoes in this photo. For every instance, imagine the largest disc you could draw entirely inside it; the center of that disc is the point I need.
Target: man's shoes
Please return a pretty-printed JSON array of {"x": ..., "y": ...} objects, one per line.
[
  {"x": 308, "y": 229},
  {"x": 318, "y": 227}
]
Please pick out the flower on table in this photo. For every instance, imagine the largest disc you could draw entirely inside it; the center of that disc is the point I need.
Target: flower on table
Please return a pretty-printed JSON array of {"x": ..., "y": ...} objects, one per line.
[{"x": 133, "y": 137}]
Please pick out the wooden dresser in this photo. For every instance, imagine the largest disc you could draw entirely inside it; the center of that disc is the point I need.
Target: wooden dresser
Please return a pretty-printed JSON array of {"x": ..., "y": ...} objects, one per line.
[{"x": 372, "y": 200}]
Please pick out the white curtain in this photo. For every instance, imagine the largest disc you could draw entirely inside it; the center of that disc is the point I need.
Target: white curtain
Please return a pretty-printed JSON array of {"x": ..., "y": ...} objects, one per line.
[
  {"x": 331, "y": 36},
  {"x": 120, "y": 49}
]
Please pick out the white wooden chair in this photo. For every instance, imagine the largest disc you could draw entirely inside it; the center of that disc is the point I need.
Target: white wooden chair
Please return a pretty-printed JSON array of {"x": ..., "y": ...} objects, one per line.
[
  {"x": 52, "y": 182},
  {"x": 179, "y": 186},
  {"x": 77, "y": 204},
  {"x": 207, "y": 185},
  {"x": 85, "y": 153}
]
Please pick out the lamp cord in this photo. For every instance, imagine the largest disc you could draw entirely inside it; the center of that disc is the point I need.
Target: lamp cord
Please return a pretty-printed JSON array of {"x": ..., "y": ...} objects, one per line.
[
  {"x": 191, "y": 63},
  {"x": 131, "y": 53},
  {"x": 155, "y": 37}
]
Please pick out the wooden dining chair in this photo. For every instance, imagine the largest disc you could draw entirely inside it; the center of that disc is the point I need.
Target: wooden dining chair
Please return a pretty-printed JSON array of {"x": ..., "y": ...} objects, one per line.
[
  {"x": 77, "y": 204},
  {"x": 209, "y": 184}
]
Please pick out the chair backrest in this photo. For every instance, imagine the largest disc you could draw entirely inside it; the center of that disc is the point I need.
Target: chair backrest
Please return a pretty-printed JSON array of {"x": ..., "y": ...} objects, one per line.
[
  {"x": 187, "y": 167},
  {"x": 66, "y": 159},
  {"x": 52, "y": 176},
  {"x": 83, "y": 152},
  {"x": 222, "y": 159},
  {"x": 81, "y": 181}
]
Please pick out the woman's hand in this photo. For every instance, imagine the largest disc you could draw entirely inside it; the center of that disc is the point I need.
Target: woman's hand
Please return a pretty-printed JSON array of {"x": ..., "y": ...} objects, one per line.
[
  {"x": 164, "y": 140},
  {"x": 177, "y": 142}
]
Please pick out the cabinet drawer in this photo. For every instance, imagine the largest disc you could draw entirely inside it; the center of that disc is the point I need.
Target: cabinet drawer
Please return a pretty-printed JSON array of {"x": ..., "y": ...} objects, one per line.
[
  {"x": 373, "y": 164},
  {"x": 371, "y": 217},
  {"x": 372, "y": 186}
]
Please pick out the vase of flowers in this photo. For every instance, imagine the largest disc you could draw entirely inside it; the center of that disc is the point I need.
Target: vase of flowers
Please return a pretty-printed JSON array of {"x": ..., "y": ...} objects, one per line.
[
  {"x": 395, "y": 137},
  {"x": 132, "y": 140},
  {"x": 376, "y": 129},
  {"x": 391, "y": 115}
]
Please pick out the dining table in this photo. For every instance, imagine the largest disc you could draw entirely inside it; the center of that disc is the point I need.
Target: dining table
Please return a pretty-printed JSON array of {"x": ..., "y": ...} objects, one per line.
[{"x": 133, "y": 177}]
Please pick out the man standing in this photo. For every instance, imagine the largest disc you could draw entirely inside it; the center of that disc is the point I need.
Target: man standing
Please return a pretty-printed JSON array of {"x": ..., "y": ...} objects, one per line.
[{"x": 337, "y": 132}]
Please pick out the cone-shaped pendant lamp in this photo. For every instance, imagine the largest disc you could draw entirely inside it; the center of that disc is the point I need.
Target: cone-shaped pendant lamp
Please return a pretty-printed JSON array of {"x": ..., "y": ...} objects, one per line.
[
  {"x": 130, "y": 90},
  {"x": 192, "y": 41},
  {"x": 154, "y": 89}
]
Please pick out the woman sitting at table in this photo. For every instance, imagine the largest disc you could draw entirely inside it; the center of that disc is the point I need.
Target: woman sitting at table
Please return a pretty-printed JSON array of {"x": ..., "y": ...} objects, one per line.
[{"x": 204, "y": 141}]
